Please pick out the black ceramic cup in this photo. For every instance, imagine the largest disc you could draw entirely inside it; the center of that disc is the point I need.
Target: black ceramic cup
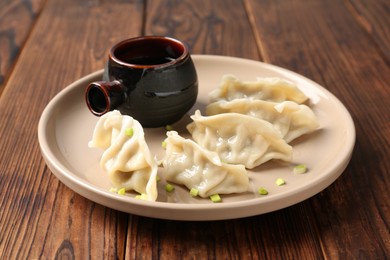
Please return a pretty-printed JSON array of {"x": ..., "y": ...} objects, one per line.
[{"x": 151, "y": 78}]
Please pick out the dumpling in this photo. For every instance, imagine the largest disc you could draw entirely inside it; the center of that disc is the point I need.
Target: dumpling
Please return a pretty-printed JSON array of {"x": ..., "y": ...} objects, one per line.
[
  {"x": 301, "y": 119},
  {"x": 239, "y": 139},
  {"x": 290, "y": 118},
  {"x": 127, "y": 158},
  {"x": 188, "y": 164},
  {"x": 270, "y": 89}
]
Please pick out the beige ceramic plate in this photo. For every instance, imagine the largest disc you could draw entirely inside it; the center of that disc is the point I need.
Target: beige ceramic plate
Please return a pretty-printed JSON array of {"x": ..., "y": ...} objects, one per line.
[{"x": 66, "y": 126}]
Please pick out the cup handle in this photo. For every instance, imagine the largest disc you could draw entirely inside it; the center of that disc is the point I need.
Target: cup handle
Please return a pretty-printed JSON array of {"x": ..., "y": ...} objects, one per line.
[{"x": 102, "y": 96}]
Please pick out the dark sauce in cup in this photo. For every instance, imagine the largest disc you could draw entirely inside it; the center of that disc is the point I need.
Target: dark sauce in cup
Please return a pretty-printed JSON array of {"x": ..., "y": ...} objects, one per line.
[
  {"x": 153, "y": 52},
  {"x": 149, "y": 60}
]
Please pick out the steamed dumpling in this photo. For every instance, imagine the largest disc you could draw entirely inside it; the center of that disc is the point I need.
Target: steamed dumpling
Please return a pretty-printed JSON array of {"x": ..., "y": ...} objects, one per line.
[
  {"x": 290, "y": 118},
  {"x": 127, "y": 158},
  {"x": 188, "y": 164},
  {"x": 270, "y": 89},
  {"x": 239, "y": 139}
]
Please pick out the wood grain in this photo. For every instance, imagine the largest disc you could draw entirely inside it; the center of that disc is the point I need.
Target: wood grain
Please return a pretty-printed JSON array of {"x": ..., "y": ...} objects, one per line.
[
  {"x": 207, "y": 27},
  {"x": 374, "y": 19},
  {"x": 261, "y": 237},
  {"x": 17, "y": 19}
]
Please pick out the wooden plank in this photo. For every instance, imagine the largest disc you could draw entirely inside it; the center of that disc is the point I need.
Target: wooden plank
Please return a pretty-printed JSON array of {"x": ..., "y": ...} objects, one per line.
[
  {"x": 374, "y": 18},
  {"x": 40, "y": 217},
  {"x": 17, "y": 19},
  {"x": 208, "y": 27},
  {"x": 324, "y": 41}
]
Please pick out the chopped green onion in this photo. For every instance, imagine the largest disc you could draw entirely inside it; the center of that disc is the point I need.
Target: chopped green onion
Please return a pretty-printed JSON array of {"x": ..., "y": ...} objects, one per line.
[
  {"x": 158, "y": 178},
  {"x": 122, "y": 191},
  {"x": 280, "y": 182},
  {"x": 142, "y": 196},
  {"x": 215, "y": 198},
  {"x": 169, "y": 187},
  {"x": 194, "y": 192},
  {"x": 262, "y": 191},
  {"x": 164, "y": 144},
  {"x": 112, "y": 189},
  {"x": 129, "y": 132},
  {"x": 300, "y": 169},
  {"x": 168, "y": 127}
]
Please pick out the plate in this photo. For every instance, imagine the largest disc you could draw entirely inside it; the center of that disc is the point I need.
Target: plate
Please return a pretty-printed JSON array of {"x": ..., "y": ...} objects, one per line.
[{"x": 66, "y": 126}]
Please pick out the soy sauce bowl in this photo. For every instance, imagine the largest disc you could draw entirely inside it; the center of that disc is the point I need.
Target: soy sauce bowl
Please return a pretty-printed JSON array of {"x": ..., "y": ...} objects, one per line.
[{"x": 151, "y": 78}]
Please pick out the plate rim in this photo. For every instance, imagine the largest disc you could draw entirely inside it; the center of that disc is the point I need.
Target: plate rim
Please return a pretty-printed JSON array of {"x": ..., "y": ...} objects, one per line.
[{"x": 216, "y": 211}]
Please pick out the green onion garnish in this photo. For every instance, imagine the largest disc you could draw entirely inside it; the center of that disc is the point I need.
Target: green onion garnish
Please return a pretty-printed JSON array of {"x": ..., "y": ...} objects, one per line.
[
  {"x": 194, "y": 192},
  {"x": 169, "y": 187},
  {"x": 129, "y": 132},
  {"x": 300, "y": 169},
  {"x": 168, "y": 127},
  {"x": 280, "y": 182},
  {"x": 122, "y": 191},
  {"x": 164, "y": 145},
  {"x": 262, "y": 191},
  {"x": 215, "y": 198},
  {"x": 141, "y": 196}
]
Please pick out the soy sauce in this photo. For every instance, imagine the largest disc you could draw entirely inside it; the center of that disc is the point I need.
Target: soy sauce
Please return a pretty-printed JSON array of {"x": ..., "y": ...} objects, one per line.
[
  {"x": 149, "y": 60},
  {"x": 150, "y": 52}
]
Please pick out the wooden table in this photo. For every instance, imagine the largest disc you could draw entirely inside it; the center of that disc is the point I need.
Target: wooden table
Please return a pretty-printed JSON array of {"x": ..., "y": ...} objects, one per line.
[{"x": 342, "y": 45}]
